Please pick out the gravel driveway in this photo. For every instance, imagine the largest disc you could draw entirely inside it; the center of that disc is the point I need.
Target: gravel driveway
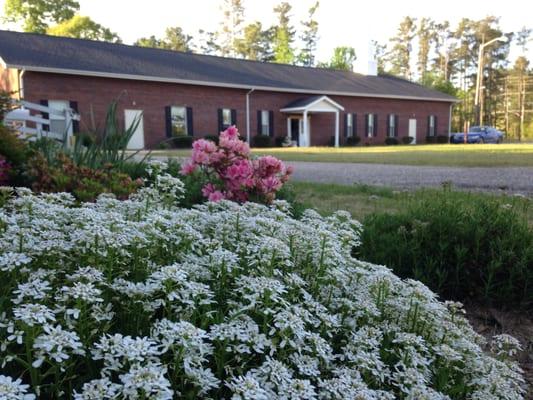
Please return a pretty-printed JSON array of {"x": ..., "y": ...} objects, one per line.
[{"x": 511, "y": 179}]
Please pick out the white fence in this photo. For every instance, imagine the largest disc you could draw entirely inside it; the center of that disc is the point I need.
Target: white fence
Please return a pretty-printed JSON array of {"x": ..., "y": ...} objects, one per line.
[{"x": 29, "y": 121}]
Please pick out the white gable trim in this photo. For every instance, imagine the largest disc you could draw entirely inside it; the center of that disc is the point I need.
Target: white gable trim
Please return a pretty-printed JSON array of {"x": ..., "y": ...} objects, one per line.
[{"x": 322, "y": 104}]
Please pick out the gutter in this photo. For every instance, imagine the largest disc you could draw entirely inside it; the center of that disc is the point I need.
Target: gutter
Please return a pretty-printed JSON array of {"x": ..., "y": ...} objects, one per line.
[
  {"x": 21, "y": 83},
  {"x": 248, "y": 115},
  {"x": 222, "y": 84}
]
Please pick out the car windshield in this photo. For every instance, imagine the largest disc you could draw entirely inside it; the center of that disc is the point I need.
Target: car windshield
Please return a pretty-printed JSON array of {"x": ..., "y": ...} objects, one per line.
[{"x": 476, "y": 129}]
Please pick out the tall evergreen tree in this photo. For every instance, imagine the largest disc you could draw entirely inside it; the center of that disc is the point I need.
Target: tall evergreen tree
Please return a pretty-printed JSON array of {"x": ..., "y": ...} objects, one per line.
[
  {"x": 380, "y": 55},
  {"x": 426, "y": 35},
  {"x": 400, "y": 55},
  {"x": 175, "y": 39},
  {"x": 255, "y": 43},
  {"x": 309, "y": 38},
  {"x": 343, "y": 58},
  {"x": 284, "y": 35},
  {"x": 83, "y": 27},
  {"x": 207, "y": 43},
  {"x": 231, "y": 26}
]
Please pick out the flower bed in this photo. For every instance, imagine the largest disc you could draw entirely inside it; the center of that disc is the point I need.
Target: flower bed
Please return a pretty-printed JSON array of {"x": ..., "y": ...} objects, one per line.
[{"x": 137, "y": 299}]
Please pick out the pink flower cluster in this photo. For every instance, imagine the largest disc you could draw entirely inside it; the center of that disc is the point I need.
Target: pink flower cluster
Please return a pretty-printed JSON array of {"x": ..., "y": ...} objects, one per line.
[
  {"x": 230, "y": 171},
  {"x": 5, "y": 167}
]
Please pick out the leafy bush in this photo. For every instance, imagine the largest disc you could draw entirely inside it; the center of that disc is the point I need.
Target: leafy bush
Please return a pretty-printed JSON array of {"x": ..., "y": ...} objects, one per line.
[
  {"x": 182, "y": 142},
  {"x": 279, "y": 140},
  {"x": 460, "y": 248},
  {"x": 407, "y": 139},
  {"x": 139, "y": 299},
  {"x": 262, "y": 141},
  {"x": 391, "y": 141},
  {"x": 14, "y": 150},
  {"x": 431, "y": 139},
  {"x": 213, "y": 138},
  {"x": 443, "y": 139},
  {"x": 228, "y": 172},
  {"x": 352, "y": 141}
]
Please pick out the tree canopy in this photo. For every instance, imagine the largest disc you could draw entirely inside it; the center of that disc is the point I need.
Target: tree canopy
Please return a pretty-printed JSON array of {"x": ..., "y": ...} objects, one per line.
[
  {"x": 83, "y": 27},
  {"x": 38, "y": 15}
]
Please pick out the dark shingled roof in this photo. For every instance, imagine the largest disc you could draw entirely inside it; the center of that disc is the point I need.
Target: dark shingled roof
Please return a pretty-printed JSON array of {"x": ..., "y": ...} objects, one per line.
[{"x": 87, "y": 57}]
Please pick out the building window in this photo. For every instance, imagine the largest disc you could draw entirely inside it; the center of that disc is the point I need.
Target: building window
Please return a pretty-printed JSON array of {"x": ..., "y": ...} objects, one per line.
[
  {"x": 178, "y": 117},
  {"x": 371, "y": 125},
  {"x": 392, "y": 125},
  {"x": 226, "y": 117},
  {"x": 349, "y": 125},
  {"x": 265, "y": 122},
  {"x": 432, "y": 126},
  {"x": 58, "y": 123}
]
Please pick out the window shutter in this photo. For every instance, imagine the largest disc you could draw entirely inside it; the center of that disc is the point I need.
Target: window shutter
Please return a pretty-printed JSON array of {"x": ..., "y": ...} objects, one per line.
[
  {"x": 168, "y": 121},
  {"x": 220, "y": 122},
  {"x": 259, "y": 122},
  {"x": 271, "y": 123},
  {"x": 375, "y": 125},
  {"x": 345, "y": 125},
  {"x": 45, "y": 115},
  {"x": 396, "y": 122},
  {"x": 429, "y": 125},
  {"x": 388, "y": 125},
  {"x": 366, "y": 126},
  {"x": 190, "y": 126},
  {"x": 435, "y": 125},
  {"x": 233, "y": 117},
  {"x": 75, "y": 124},
  {"x": 354, "y": 124}
]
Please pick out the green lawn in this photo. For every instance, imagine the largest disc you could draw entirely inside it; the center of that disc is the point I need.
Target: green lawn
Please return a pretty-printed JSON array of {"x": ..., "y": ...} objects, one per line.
[
  {"x": 361, "y": 200},
  {"x": 484, "y": 155}
]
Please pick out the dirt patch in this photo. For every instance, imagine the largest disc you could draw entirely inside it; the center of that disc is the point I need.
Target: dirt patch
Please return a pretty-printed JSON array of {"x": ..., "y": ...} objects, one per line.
[{"x": 489, "y": 322}]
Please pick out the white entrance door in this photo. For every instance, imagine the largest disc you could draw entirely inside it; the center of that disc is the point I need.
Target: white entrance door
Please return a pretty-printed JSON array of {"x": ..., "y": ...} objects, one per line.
[
  {"x": 137, "y": 140},
  {"x": 305, "y": 139},
  {"x": 412, "y": 130}
]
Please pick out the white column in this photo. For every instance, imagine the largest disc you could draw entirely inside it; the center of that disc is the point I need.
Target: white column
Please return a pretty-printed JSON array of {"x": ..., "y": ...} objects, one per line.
[
  {"x": 336, "y": 129},
  {"x": 289, "y": 128},
  {"x": 306, "y": 129}
]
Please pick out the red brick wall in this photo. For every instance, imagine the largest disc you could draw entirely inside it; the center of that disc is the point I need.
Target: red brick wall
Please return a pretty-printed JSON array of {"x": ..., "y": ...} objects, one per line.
[{"x": 94, "y": 95}]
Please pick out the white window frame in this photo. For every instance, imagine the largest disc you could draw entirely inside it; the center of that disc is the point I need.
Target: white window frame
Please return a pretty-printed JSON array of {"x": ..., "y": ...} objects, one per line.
[
  {"x": 392, "y": 125},
  {"x": 174, "y": 123},
  {"x": 60, "y": 105},
  {"x": 226, "y": 112},
  {"x": 432, "y": 125},
  {"x": 265, "y": 122},
  {"x": 370, "y": 125},
  {"x": 349, "y": 125}
]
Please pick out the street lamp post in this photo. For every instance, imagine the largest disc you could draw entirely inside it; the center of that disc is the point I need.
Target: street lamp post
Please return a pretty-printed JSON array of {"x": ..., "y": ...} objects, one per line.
[{"x": 479, "y": 78}]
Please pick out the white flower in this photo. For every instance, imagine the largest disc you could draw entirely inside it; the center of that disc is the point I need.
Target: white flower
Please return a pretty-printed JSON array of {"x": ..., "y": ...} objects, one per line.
[
  {"x": 56, "y": 344},
  {"x": 14, "y": 389},
  {"x": 505, "y": 345},
  {"x": 146, "y": 382},
  {"x": 98, "y": 389},
  {"x": 10, "y": 260},
  {"x": 247, "y": 388},
  {"x": 33, "y": 314}
]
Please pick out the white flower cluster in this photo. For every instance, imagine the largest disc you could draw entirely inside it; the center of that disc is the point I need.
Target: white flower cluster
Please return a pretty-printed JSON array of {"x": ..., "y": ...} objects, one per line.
[{"x": 117, "y": 300}]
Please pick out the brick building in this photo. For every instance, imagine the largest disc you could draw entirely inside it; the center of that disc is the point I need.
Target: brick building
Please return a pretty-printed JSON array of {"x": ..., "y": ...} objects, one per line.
[{"x": 188, "y": 94}]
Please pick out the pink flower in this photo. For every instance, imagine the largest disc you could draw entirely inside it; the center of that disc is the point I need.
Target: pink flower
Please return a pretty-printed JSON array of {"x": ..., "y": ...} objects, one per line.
[
  {"x": 188, "y": 168},
  {"x": 231, "y": 132},
  {"x": 217, "y": 195}
]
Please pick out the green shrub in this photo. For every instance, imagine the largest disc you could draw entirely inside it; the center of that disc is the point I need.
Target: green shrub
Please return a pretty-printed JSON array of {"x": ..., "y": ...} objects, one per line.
[
  {"x": 352, "y": 141},
  {"x": 391, "y": 141},
  {"x": 279, "y": 141},
  {"x": 460, "y": 247},
  {"x": 407, "y": 139},
  {"x": 443, "y": 139},
  {"x": 182, "y": 142},
  {"x": 14, "y": 150},
  {"x": 262, "y": 141},
  {"x": 431, "y": 139},
  {"x": 213, "y": 138}
]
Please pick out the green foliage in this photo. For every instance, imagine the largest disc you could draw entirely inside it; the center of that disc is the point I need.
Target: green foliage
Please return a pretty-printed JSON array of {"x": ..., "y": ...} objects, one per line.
[
  {"x": 309, "y": 38},
  {"x": 213, "y": 138},
  {"x": 343, "y": 58},
  {"x": 391, "y": 141},
  {"x": 284, "y": 35},
  {"x": 352, "y": 141},
  {"x": 14, "y": 150},
  {"x": 462, "y": 248},
  {"x": 437, "y": 82},
  {"x": 37, "y": 15},
  {"x": 262, "y": 141},
  {"x": 182, "y": 142},
  {"x": 256, "y": 43},
  {"x": 407, "y": 139},
  {"x": 175, "y": 39},
  {"x": 400, "y": 54},
  {"x": 83, "y": 27}
]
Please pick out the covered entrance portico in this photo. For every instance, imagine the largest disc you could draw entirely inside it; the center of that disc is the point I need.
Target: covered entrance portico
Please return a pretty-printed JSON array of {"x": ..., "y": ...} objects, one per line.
[{"x": 299, "y": 117}]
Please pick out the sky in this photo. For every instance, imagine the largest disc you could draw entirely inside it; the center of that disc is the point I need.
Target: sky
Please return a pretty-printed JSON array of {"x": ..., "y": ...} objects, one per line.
[{"x": 341, "y": 22}]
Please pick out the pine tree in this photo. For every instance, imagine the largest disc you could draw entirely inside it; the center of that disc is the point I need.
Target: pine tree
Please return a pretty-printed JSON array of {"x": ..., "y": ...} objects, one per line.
[
  {"x": 175, "y": 39},
  {"x": 284, "y": 35},
  {"x": 400, "y": 55},
  {"x": 309, "y": 38},
  {"x": 426, "y": 35},
  {"x": 255, "y": 43},
  {"x": 231, "y": 26}
]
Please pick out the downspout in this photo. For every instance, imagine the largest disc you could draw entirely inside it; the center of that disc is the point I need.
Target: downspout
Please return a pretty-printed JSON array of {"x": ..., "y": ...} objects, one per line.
[
  {"x": 248, "y": 115},
  {"x": 21, "y": 84}
]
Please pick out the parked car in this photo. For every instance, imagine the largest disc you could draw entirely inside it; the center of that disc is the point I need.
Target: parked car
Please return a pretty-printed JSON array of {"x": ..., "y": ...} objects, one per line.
[{"x": 479, "y": 134}]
